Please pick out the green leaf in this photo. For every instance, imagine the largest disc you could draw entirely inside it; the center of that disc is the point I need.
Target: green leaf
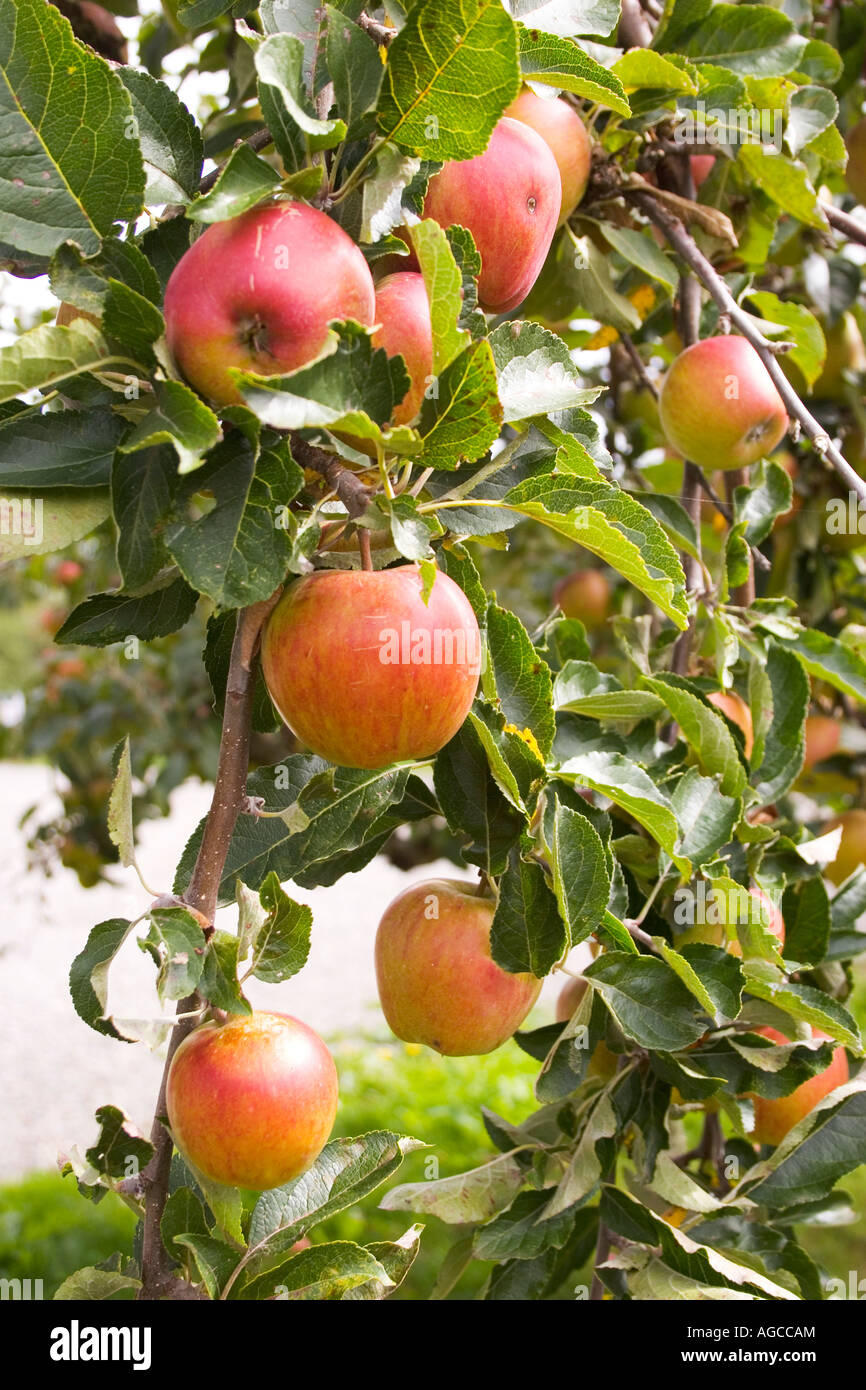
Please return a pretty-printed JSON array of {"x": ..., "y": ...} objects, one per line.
[
  {"x": 528, "y": 934},
  {"x": 753, "y": 40},
  {"x": 171, "y": 145},
  {"x": 706, "y": 818},
  {"x": 640, "y": 250},
  {"x": 382, "y": 192},
  {"x": 713, "y": 976},
  {"x": 396, "y": 1258},
  {"x": 778, "y": 755},
  {"x": 214, "y": 1261},
  {"x": 69, "y": 168},
  {"x": 451, "y": 72},
  {"x": 120, "y": 1151},
  {"x": 330, "y": 1270},
  {"x": 119, "y": 818},
  {"x": 522, "y": 679},
  {"x": 281, "y": 945},
  {"x": 556, "y": 61},
  {"x": 219, "y": 977},
  {"x": 798, "y": 325},
  {"x": 811, "y": 110},
  {"x": 806, "y": 1168},
  {"x": 472, "y": 803},
  {"x": 444, "y": 284},
  {"x": 31, "y": 525},
  {"x": 88, "y": 974},
  {"x": 279, "y": 61},
  {"x": 183, "y": 1214},
  {"x": 629, "y": 787},
  {"x": 176, "y": 942},
  {"x": 582, "y": 689},
  {"x": 238, "y": 552},
  {"x": 62, "y": 448},
  {"x": 606, "y": 521},
  {"x": 706, "y": 732},
  {"x": 536, "y": 374},
  {"x": 142, "y": 492},
  {"x": 640, "y": 67},
  {"x": 648, "y": 1001},
  {"x": 106, "y": 618},
  {"x": 50, "y": 354},
  {"x": 804, "y": 1003},
  {"x": 84, "y": 283},
  {"x": 464, "y": 1198},
  {"x": 460, "y": 421},
  {"x": 94, "y": 1285},
  {"x": 243, "y": 182},
  {"x": 178, "y": 418},
  {"x": 354, "y": 68},
  {"x": 827, "y": 659},
  {"x": 567, "y": 18},
  {"x": 521, "y": 1232},
  {"x": 784, "y": 181},
  {"x": 581, "y": 878},
  {"x": 130, "y": 319},
  {"x": 806, "y": 913}
]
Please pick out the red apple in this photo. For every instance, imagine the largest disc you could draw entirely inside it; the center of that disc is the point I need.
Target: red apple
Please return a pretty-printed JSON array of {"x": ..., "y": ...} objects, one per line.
[
  {"x": 366, "y": 673},
  {"x": 561, "y": 128},
  {"x": 822, "y": 739},
  {"x": 736, "y": 709},
  {"x": 773, "y": 1118},
  {"x": 251, "y": 1102},
  {"x": 509, "y": 198},
  {"x": 584, "y": 595},
  {"x": 718, "y": 404},
  {"x": 258, "y": 291},
  {"x": 852, "y": 846},
  {"x": 702, "y": 167},
  {"x": 68, "y": 572},
  {"x": 403, "y": 316},
  {"x": 438, "y": 983},
  {"x": 855, "y": 174}
]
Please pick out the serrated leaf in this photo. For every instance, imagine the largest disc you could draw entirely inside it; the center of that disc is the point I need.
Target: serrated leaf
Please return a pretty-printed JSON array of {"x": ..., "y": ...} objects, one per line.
[
  {"x": 444, "y": 290},
  {"x": 461, "y": 420},
  {"x": 49, "y": 354},
  {"x": 142, "y": 492},
  {"x": 88, "y": 974},
  {"x": 32, "y": 525},
  {"x": 528, "y": 933},
  {"x": 61, "y": 448},
  {"x": 244, "y": 180},
  {"x": 560, "y": 63},
  {"x": 170, "y": 141},
  {"x": 281, "y": 945},
  {"x": 648, "y": 1001},
  {"x": 628, "y": 786},
  {"x": 535, "y": 372},
  {"x": 120, "y": 830},
  {"x": 106, "y": 618}
]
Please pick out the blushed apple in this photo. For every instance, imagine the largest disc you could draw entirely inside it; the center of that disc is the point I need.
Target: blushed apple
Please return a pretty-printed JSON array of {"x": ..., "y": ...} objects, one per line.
[
  {"x": 586, "y": 595},
  {"x": 509, "y": 198},
  {"x": 561, "y": 128},
  {"x": 251, "y": 1102},
  {"x": 403, "y": 316},
  {"x": 774, "y": 1118},
  {"x": 719, "y": 406},
  {"x": 364, "y": 671},
  {"x": 438, "y": 983},
  {"x": 258, "y": 292}
]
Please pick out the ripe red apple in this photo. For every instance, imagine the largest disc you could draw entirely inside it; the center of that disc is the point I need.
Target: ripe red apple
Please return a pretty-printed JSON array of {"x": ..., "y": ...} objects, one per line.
[
  {"x": 585, "y": 594},
  {"x": 366, "y": 673},
  {"x": 403, "y": 316},
  {"x": 719, "y": 406},
  {"x": 702, "y": 167},
  {"x": 852, "y": 846},
  {"x": 773, "y": 1118},
  {"x": 736, "y": 709},
  {"x": 509, "y": 198},
  {"x": 438, "y": 983},
  {"x": 251, "y": 1102},
  {"x": 258, "y": 292},
  {"x": 822, "y": 739},
  {"x": 855, "y": 174},
  {"x": 561, "y": 128}
]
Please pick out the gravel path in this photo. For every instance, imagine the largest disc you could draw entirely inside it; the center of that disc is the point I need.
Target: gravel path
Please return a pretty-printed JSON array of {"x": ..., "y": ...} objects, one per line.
[{"x": 55, "y": 1070}]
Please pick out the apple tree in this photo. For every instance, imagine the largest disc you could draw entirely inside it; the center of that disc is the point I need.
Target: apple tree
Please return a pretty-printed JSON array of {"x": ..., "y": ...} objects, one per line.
[{"x": 432, "y": 307}]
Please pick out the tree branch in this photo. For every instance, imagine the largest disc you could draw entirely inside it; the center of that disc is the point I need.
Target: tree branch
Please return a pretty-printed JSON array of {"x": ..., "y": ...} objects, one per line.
[
  {"x": 352, "y": 492},
  {"x": 380, "y": 32},
  {"x": 845, "y": 223},
  {"x": 709, "y": 276},
  {"x": 158, "y": 1278}
]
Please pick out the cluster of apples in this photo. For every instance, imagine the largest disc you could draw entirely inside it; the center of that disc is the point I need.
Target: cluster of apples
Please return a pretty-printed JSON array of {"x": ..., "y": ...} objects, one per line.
[{"x": 258, "y": 291}]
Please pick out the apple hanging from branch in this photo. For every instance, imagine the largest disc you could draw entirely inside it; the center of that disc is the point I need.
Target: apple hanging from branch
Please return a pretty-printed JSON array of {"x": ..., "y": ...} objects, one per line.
[{"x": 718, "y": 405}]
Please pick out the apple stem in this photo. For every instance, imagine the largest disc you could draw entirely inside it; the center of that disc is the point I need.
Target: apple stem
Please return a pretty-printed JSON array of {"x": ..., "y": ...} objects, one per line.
[
  {"x": 202, "y": 893},
  {"x": 365, "y": 549}
]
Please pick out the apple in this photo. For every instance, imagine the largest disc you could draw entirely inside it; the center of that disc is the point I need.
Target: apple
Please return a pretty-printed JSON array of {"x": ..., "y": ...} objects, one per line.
[
  {"x": 438, "y": 983},
  {"x": 561, "y": 128},
  {"x": 846, "y": 352},
  {"x": 251, "y": 1102},
  {"x": 855, "y": 174},
  {"x": 701, "y": 167},
  {"x": 364, "y": 671},
  {"x": 258, "y": 292},
  {"x": 403, "y": 316},
  {"x": 68, "y": 572},
  {"x": 822, "y": 739},
  {"x": 509, "y": 198},
  {"x": 585, "y": 594},
  {"x": 715, "y": 933},
  {"x": 718, "y": 404},
  {"x": 773, "y": 1118},
  {"x": 735, "y": 708},
  {"x": 852, "y": 846}
]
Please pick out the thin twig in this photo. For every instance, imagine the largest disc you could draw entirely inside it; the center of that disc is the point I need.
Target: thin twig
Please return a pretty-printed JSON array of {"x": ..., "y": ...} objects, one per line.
[
  {"x": 202, "y": 895},
  {"x": 380, "y": 32},
  {"x": 639, "y": 364},
  {"x": 697, "y": 261},
  {"x": 845, "y": 223},
  {"x": 352, "y": 492}
]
